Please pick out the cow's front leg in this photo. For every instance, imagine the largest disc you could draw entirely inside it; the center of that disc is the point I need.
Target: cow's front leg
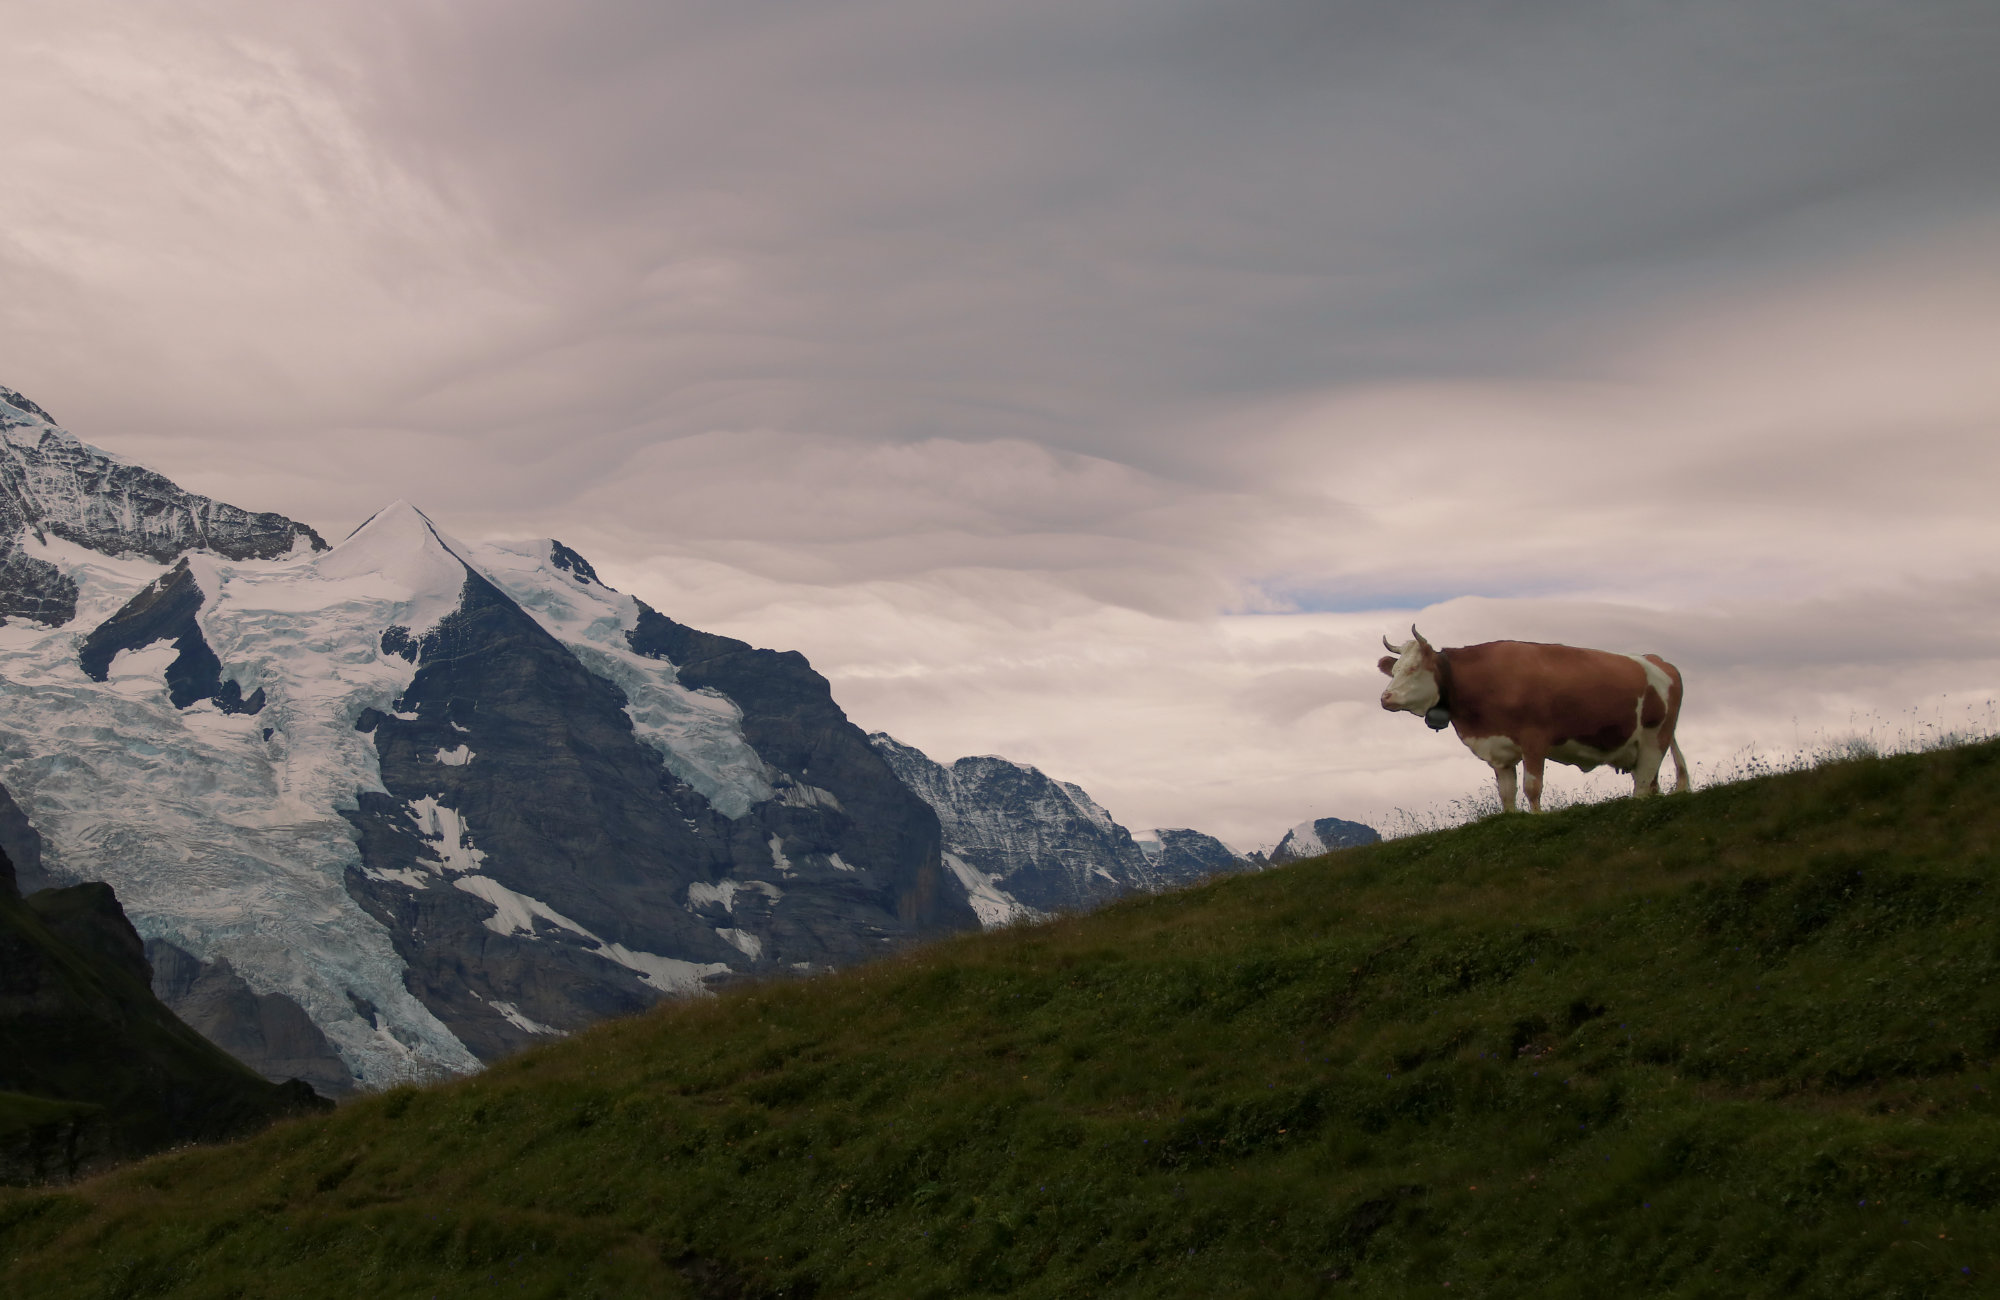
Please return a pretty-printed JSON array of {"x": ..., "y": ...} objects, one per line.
[
  {"x": 1646, "y": 776},
  {"x": 1504, "y": 778},
  {"x": 1533, "y": 762}
]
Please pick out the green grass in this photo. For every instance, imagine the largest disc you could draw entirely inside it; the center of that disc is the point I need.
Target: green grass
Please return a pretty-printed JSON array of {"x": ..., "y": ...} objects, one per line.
[
  {"x": 21, "y": 1113},
  {"x": 1738, "y": 1043}
]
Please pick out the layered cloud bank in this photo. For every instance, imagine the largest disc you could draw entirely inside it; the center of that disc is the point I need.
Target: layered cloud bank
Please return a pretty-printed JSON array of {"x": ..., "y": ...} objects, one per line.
[{"x": 1092, "y": 384}]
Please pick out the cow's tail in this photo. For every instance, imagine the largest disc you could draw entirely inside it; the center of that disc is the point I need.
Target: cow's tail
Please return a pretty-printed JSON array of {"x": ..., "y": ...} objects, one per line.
[{"x": 1680, "y": 766}]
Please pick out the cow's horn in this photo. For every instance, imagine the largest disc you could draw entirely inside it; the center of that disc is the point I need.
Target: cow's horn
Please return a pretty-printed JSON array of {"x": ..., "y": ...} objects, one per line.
[
  {"x": 1418, "y": 635},
  {"x": 1394, "y": 650}
]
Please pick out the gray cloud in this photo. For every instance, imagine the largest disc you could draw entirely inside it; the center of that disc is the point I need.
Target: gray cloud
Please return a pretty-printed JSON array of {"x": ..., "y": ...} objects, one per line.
[{"x": 1059, "y": 346}]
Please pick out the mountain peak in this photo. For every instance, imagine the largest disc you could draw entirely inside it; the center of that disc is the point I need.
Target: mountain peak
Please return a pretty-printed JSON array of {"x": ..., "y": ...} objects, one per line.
[
  {"x": 25, "y": 425},
  {"x": 11, "y": 398},
  {"x": 397, "y": 515},
  {"x": 399, "y": 554}
]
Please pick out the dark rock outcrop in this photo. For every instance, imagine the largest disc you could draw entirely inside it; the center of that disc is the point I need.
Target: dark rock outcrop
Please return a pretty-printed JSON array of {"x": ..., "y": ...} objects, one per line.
[
  {"x": 52, "y": 485},
  {"x": 564, "y": 806},
  {"x": 93, "y": 1069},
  {"x": 791, "y": 720},
  {"x": 32, "y": 588},
  {"x": 570, "y": 562},
  {"x": 551, "y": 879},
  {"x": 87, "y": 918},
  {"x": 268, "y": 1032},
  {"x": 165, "y": 611},
  {"x": 21, "y": 846}
]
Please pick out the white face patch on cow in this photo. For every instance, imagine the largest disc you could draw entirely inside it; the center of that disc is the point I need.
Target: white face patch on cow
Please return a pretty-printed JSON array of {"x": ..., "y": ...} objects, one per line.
[{"x": 1413, "y": 686}]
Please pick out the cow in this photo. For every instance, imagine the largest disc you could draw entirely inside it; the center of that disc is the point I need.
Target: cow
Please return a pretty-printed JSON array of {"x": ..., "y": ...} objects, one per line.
[{"x": 1523, "y": 702}]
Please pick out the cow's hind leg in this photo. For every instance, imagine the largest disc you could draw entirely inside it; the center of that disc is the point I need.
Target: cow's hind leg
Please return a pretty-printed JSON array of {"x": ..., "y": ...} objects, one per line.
[
  {"x": 1533, "y": 762},
  {"x": 1504, "y": 778}
]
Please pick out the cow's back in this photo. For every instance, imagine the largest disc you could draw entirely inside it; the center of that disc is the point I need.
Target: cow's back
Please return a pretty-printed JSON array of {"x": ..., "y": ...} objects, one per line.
[{"x": 1531, "y": 691}]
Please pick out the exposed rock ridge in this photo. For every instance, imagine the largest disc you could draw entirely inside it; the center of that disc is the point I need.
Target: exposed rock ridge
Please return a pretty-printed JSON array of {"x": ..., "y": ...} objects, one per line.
[
  {"x": 1182, "y": 856},
  {"x": 539, "y": 868},
  {"x": 556, "y": 813},
  {"x": 269, "y": 1032},
  {"x": 11, "y": 398},
  {"x": 790, "y": 719},
  {"x": 52, "y": 485},
  {"x": 1040, "y": 845},
  {"x": 20, "y": 850}
]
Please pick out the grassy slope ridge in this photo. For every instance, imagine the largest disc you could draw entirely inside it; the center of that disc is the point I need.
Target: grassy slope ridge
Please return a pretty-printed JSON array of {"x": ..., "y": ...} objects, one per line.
[
  {"x": 93, "y": 1068},
  {"x": 1738, "y": 1043}
]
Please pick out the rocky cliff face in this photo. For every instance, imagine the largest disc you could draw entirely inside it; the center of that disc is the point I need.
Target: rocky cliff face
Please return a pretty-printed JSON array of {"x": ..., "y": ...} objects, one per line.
[
  {"x": 52, "y": 486},
  {"x": 21, "y": 847},
  {"x": 93, "y": 1069},
  {"x": 1025, "y": 844},
  {"x": 540, "y": 865},
  {"x": 1183, "y": 856},
  {"x": 268, "y": 1032},
  {"x": 405, "y": 804}
]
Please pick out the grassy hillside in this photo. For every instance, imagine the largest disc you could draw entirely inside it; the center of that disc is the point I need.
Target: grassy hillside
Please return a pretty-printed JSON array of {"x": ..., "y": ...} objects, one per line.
[
  {"x": 93, "y": 1069},
  {"x": 1738, "y": 1043}
]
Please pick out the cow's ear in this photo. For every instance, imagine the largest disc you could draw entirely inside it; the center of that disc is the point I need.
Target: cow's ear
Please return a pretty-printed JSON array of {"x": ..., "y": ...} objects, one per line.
[{"x": 1387, "y": 663}]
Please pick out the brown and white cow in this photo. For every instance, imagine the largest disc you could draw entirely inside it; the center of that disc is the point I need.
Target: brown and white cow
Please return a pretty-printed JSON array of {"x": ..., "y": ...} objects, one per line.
[{"x": 1521, "y": 702}]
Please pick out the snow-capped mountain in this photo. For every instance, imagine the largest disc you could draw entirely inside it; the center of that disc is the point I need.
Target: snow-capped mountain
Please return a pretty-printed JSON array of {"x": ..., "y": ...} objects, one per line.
[
  {"x": 394, "y": 807},
  {"x": 1321, "y": 835},
  {"x": 1183, "y": 855},
  {"x": 54, "y": 487},
  {"x": 404, "y": 804},
  {"x": 1024, "y": 844}
]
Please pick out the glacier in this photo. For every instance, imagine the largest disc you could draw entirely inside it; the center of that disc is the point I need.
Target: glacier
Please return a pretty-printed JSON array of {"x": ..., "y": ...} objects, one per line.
[
  {"x": 451, "y": 798},
  {"x": 224, "y": 832},
  {"x": 221, "y": 832}
]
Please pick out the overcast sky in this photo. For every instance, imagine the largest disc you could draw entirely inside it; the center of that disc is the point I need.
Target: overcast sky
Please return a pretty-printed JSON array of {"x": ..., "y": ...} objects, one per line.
[{"x": 1090, "y": 382}]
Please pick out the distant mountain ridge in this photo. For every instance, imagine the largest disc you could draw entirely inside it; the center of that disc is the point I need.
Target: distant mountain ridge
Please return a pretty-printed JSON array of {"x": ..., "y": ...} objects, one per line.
[
  {"x": 406, "y": 804},
  {"x": 1024, "y": 844},
  {"x": 1320, "y": 835},
  {"x": 395, "y": 807}
]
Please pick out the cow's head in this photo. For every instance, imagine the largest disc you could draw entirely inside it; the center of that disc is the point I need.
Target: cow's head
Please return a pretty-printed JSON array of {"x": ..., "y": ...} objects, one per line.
[{"x": 1412, "y": 670}]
